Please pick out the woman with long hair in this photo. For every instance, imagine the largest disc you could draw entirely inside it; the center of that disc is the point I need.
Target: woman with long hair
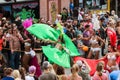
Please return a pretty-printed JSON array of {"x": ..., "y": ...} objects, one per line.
[
  {"x": 22, "y": 73},
  {"x": 95, "y": 47},
  {"x": 99, "y": 75},
  {"x": 16, "y": 75},
  {"x": 74, "y": 71},
  {"x": 61, "y": 73},
  {"x": 118, "y": 34}
]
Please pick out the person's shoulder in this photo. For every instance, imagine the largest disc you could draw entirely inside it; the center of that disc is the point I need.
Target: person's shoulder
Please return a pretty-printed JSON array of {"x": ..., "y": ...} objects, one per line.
[
  {"x": 51, "y": 74},
  {"x": 105, "y": 75},
  {"x": 29, "y": 77},
  {"x": 115, "y": 72},
  {"x": 46, "y": 76},
  {"x": 95, "y": 74},
  {"x": 79, "y": 78},
  {"x": 42, "y": 75},
  {"x": 64, "y": 77},
  {"x": 7, "y": 78},
  {"x": 32, "y": 51},
  {"x": 17, "y": 79},
  {"x": 69, "y": 77},
  {"x": 11, "y": 37}
]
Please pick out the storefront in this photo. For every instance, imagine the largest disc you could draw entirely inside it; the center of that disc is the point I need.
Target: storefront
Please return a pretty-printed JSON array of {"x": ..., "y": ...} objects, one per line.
[
  {"x": 93, "y": 5},
  {"x": 98, "y": 6},
  {"x": 24, "y": 9}
]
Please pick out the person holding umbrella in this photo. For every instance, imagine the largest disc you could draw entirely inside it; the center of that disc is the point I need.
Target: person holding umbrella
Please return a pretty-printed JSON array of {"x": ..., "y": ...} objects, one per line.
[{"x": 59, "y": 56}]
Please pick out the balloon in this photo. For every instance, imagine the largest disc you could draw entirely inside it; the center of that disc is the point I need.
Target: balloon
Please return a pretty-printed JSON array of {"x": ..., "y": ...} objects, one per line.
[{"x": 85, "y": 48}]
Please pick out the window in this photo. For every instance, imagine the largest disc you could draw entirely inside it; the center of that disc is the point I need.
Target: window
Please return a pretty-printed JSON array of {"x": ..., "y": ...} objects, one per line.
[{"x": 96, "y": 4}]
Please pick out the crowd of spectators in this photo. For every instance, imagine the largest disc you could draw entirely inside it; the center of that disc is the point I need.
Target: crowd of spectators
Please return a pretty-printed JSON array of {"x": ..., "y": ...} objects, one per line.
[{"x": 21, "y": 57}]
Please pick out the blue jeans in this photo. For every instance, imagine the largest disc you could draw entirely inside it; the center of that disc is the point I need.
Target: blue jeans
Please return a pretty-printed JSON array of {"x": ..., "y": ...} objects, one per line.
[{"x": 14, "y": 60}]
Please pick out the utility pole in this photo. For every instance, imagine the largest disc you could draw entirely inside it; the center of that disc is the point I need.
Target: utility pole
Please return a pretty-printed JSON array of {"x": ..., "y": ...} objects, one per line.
[{"x": 116, "y": 7}]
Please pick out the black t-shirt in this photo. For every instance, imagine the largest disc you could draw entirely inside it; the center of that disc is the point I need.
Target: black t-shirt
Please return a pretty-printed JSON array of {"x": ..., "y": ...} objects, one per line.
[
  {"x": 69, "y": 34},
  {"x": 18, "y": 23},
  {"x": 102, "y": 33},
  {"x": 75, "y": 12}
]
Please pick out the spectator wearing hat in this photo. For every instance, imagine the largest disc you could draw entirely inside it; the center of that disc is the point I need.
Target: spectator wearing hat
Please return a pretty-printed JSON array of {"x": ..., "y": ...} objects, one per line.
[
  {"x": 84, "y": 70},
  {"x": 47, "y": 75}
]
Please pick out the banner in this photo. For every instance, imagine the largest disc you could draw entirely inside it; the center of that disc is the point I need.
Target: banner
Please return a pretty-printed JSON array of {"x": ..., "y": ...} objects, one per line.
[{"x": 26, "y": 10}]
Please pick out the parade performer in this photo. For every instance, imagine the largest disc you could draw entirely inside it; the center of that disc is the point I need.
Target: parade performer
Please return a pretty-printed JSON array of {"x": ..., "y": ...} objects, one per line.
[
  {"x": 61, "y": 53},
  {"x": 26, "y": 24},
  {"x": 111, "y": 62},
  {"x": 95, "y": 48},
  {"x": 26, "y": 57},
  {"x": 112, "y": 34},
  {"x": 30, "y": 58}
]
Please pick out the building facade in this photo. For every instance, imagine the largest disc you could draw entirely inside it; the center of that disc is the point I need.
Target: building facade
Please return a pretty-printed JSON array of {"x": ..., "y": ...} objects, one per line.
[
  {"x": 23, "y": 8},
  {"x": 50, "y": 8}
]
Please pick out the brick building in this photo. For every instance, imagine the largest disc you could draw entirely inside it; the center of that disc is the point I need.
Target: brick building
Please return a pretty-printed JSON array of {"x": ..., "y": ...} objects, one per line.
[{"x": 49, "y": 8}]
